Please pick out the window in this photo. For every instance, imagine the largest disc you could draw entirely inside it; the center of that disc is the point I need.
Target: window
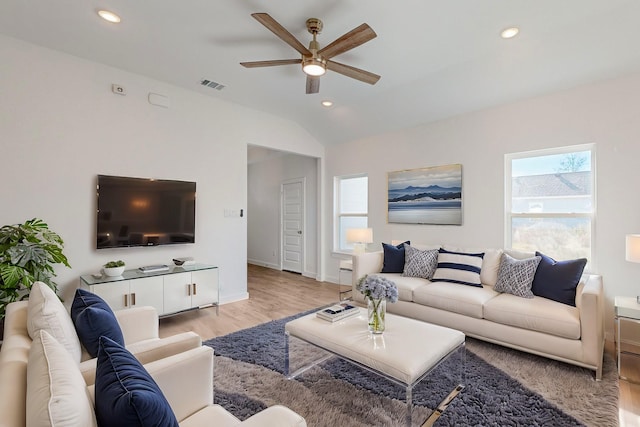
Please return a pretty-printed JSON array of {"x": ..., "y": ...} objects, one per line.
[
  {"x": 550, "y": 202},
  {"x": 351, "y": 207}
]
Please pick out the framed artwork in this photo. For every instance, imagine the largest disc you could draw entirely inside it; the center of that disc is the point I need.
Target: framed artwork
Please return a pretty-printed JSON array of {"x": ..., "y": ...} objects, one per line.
[{"x": 430, "y": 195}]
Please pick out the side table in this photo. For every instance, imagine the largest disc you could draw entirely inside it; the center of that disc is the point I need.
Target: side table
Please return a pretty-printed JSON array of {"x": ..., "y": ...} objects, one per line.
[
  {"x": 627, "y": 311},
  {"x": 346, "y": 268}
]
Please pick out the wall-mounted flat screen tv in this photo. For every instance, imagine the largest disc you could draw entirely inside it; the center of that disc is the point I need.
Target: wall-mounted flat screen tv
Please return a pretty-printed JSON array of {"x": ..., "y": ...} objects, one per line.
[{"x": 144, "y": 212}]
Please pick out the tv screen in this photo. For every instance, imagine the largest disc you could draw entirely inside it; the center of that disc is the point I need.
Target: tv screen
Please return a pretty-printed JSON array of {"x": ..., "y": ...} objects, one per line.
[{"x": 144, "y": 212}]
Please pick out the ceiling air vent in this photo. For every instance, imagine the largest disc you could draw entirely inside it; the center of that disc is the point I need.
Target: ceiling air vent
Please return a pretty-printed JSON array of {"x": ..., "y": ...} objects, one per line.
[{"x": 212, "y": 84}]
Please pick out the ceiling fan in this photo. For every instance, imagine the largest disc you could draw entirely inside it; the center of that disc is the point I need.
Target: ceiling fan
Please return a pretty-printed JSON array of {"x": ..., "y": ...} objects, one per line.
[{"x": 315, "y": 62}]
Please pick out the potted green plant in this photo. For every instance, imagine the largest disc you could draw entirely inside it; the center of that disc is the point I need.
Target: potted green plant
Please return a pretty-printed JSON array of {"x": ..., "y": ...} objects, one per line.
[
  {"x": 113, "y": 268},
  {"x": 28, "y": 253}
]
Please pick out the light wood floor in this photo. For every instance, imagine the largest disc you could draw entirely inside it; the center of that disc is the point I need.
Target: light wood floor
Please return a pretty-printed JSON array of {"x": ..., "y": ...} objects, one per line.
[{"x": 274, "y": 295}]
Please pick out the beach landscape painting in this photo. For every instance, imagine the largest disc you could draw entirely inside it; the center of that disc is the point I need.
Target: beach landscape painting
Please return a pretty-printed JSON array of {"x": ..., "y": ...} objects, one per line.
[{"x": 430, "y": 195}]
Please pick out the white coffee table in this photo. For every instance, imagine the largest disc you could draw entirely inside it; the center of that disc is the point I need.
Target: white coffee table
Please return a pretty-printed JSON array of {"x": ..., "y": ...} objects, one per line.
[{"x": 405, "y": 354}]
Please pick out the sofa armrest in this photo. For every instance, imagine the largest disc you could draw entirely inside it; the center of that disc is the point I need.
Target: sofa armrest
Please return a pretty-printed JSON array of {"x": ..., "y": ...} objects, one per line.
[
  {"x": 590, "y": 302},
  {"x": 186, "y": 380},
  {"x": 363, "y": 264},
  {"x": 138, "y": 324},
  {"x": 149, "y": 351},
  {"x": 276, "y": 415},
  {"x": 366, "y": 263},
  {"x": 14, "y": 356}
]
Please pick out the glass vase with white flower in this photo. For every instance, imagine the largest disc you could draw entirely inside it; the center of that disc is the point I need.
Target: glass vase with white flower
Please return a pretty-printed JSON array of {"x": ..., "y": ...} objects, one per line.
[{"x": 377, "y": 290}]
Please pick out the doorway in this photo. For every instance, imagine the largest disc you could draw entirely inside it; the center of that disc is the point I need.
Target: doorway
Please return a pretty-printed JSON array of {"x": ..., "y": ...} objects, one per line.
[{"x": 268, "y": 172}]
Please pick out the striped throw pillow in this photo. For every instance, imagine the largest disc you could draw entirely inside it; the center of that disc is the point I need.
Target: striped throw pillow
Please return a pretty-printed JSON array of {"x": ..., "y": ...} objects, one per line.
[{"x": 458, "y": 267}]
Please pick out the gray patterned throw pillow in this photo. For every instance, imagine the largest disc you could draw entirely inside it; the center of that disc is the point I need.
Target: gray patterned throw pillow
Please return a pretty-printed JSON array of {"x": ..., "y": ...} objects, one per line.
[
  {"x": 515, "y": 276},
  {"x": 419, "y": 263}
]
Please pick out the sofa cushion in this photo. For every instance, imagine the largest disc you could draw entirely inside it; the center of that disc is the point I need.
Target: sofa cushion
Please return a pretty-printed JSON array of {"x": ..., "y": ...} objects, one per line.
[
  {"x": 420, "y": 263},
  {"x": 405, "y": 285},
  {"x": 557, "y": 280},
  {"x": 56, "y": 392},
  {"x": 93, "y": 318},
  {"x": 46, "y": 312},
  {"x": 490, "y": 265},
  {"x": 536, "y": 314},
  {"x": 516, "y": 275},
  {"x": 125, "y": 393},
  {"x": 393, "y": 261},
  {"x": 490, "y": 262},
  {"x": 513, "y": 253},
  {"x": 458, "y": 267},
  {"x": 456, "y": 298}
]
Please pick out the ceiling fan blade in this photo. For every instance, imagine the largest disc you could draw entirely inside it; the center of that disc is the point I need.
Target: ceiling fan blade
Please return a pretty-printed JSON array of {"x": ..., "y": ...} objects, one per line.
[
  {"x": 353, "y": 72},
  {"x": 277, "y": 29},
  {"x": 272, "y": 63},
  {"x": 348, "y": 41},
  {"x": 313, "y": 84}
]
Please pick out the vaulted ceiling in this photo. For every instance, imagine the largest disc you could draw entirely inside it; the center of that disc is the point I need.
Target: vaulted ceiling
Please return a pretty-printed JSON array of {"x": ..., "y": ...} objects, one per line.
[{"x": 437, "y": 59}]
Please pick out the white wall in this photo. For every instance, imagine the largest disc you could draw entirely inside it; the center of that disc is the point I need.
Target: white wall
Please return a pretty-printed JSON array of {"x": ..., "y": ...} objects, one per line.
[
  {"x": 60, "y": 126},
  {"x": 263, "y": 222},
  {"x": 605, "y": 114}
]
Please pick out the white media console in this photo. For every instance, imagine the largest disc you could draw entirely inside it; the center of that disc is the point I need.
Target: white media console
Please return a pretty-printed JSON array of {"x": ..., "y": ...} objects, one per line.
[{"x": 170, "y": 291}]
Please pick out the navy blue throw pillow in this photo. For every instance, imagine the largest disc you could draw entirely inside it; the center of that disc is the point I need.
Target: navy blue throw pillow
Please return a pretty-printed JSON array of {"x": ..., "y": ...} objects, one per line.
[
  {"x": 393, "y": 258},
  {"x": 558, "y": 280},
  {"x": 93, "y": 318},
  {"x": 126, "y": 395}
]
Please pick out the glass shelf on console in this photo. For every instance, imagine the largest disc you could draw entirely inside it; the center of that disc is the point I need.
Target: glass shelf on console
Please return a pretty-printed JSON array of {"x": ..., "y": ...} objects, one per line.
[{"x": 138, "y": 274}]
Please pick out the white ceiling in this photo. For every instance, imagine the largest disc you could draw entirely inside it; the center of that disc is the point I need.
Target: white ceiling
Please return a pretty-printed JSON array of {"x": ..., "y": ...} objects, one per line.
[{"x": 437, "y": 59}]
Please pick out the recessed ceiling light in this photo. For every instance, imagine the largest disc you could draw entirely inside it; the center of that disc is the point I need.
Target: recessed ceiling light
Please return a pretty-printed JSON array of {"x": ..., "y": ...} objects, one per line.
[
  {"x": 508, "y": 33},
  {"x": 109, "y": 16},
  {"x": 327, "y": 103}
]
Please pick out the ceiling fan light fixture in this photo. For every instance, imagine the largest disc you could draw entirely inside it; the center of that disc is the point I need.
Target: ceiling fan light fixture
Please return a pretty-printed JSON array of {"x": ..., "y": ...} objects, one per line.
[
  {"x": 313, "y": 67},
  {"x": 109, "y": 16},
  {"x": 510, "y": 32}
]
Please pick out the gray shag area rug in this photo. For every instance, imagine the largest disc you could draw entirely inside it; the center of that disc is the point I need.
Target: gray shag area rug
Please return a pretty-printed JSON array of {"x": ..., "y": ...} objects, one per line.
[{"x": 503, "y": 387}]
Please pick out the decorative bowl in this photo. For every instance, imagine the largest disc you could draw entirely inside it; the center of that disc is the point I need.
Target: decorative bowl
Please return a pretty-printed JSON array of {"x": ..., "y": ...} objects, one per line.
[{"x": 113, "y": 271}]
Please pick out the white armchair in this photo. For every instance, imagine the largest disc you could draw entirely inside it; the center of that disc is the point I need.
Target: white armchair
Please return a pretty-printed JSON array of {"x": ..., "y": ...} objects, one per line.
[
  {"x": 140, "y": 328},
  {"x": 186, "y": 380}
]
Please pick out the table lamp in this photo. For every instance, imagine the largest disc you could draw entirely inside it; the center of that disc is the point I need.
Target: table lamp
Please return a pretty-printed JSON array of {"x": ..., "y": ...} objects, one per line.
[
  {"x": 632, "y": 251},
  {"x": 360, "y": 237}
]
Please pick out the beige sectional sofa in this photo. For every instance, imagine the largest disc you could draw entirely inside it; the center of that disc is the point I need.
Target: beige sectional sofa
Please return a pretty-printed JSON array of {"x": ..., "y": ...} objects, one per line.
[
  {"x": 536, "y": 325},
  {"x": 180, "y": 365}
]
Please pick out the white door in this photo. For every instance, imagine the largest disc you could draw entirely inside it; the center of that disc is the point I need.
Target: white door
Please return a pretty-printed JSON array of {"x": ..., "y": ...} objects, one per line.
[{"x": 293, "y": 225}]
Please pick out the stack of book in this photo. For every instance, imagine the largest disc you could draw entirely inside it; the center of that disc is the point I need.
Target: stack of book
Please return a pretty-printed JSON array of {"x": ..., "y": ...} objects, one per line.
[{"x": 338, "y": 312}]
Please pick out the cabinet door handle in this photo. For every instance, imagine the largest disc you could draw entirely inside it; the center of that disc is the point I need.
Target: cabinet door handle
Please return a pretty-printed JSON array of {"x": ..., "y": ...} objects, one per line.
[
  {"x": 126, "y": 300},
  {"x": 133, "y": 298},
  {"x": 189, "y": 289},
  {"x": 194, "y": 288}
]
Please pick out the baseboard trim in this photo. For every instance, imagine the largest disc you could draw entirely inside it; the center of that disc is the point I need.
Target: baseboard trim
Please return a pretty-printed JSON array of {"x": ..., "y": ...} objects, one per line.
[
  {"x": 234, "y": 298},
  {"x": 309, "y": 274},
  {"x": 264, "y": 264}
]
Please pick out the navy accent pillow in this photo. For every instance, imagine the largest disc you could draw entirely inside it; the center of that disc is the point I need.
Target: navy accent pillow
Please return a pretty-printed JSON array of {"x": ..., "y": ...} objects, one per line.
[
  {"x": 558, "y": 280},
  {"x": 393, "y": 258},
  {"x": 126, "y": 395},
  {"x": 93, "y": 318}
]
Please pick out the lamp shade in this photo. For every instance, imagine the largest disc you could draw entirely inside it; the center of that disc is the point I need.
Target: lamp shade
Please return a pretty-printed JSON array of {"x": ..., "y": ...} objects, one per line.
[
  {"x": 360, "y": 235},
  {"x": 632, "y": 252}
]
